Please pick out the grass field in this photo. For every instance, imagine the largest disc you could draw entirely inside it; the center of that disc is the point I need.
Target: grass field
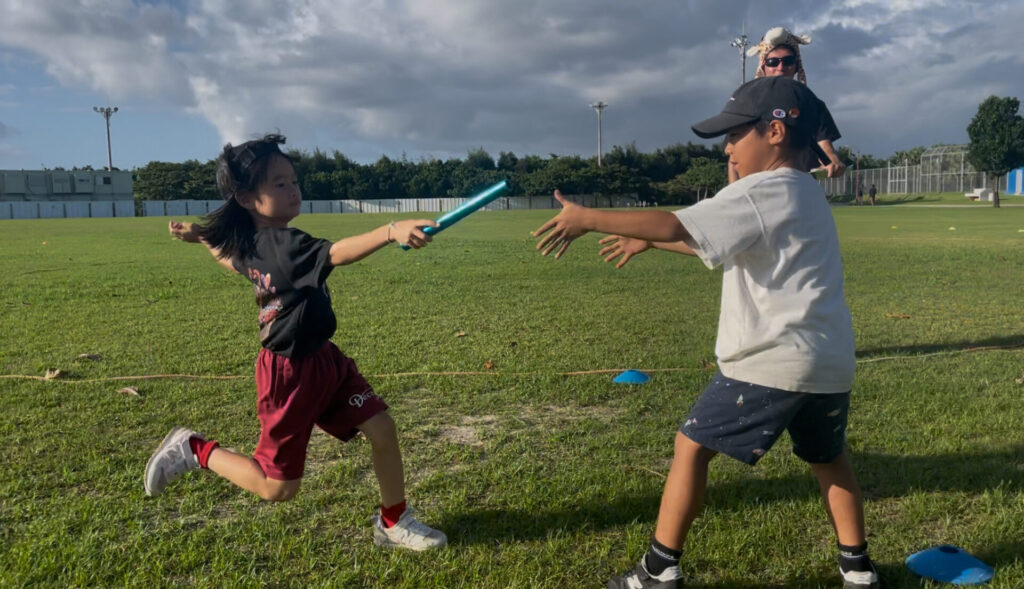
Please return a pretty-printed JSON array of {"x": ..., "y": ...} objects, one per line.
[
  {"x": 539, "y": 478},
  {"x": 931, "y": 198}
]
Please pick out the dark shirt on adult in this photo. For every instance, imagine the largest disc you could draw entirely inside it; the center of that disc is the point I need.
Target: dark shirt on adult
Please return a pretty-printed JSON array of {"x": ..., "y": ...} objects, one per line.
[
  {"x": 826, "y": 130},
  {"x": 289, "y": 270}
]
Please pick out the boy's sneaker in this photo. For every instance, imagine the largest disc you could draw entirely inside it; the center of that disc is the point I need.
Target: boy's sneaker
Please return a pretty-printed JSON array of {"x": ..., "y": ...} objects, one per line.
[
  {"x": 173, "y": 458},
  {"x": 867, "y": 579},
  {"x": 408, "y": 532},
  {"x": 639, "y": 578}
]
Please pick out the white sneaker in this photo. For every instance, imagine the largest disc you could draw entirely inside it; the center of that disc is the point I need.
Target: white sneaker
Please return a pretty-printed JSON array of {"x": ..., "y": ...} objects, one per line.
[
  {"x": 173, "y": 458},
  {"x": 408, "y": 532},
  {"x": 861, "y": 579},
  {"x": 641, "y": 578}
]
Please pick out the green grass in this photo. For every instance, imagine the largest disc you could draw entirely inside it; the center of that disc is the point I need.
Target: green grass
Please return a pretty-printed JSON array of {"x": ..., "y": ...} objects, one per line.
[
  {"x": 931, "y": 198},
  {"x": 539, "y": 479}
]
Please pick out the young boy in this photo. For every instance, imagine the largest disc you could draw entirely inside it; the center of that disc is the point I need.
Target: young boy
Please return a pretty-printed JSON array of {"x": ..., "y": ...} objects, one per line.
[{"x": 785, "y": 339}]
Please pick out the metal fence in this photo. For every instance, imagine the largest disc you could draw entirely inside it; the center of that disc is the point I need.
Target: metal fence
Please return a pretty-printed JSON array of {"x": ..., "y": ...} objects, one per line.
[
  {"x": 180, "y": 208},
  {"x": 907, "y": 180},
  {"x": 48, "y": 209}
]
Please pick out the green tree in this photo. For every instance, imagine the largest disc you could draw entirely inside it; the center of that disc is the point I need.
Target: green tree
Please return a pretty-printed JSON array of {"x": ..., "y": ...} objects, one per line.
[
  {"x": 908, "y": 157},
  {"x": 996, "y": 139},
  {"x": 160, "y": 181},
  {"x": 479, "y": 159},
  {"x": 507, "y": 161},
  {"x": 200, "y": 182},
  {"x": 705, "y": 176}
]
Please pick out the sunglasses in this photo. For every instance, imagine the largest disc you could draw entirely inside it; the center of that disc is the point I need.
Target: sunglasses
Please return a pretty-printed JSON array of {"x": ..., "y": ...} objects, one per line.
[{"x": 788, "y": 61}]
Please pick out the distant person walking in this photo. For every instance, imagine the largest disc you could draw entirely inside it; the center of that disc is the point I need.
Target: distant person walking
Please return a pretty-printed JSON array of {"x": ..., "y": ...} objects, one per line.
[
  {"x": 779, "y": 52},
  {"x": 872, "y": 193}
]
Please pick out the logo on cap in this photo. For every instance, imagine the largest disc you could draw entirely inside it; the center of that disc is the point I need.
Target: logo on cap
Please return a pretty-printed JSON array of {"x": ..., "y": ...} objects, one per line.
[
  {"x": 794, "y": 112},
  {"x": 779, "y": 113}
]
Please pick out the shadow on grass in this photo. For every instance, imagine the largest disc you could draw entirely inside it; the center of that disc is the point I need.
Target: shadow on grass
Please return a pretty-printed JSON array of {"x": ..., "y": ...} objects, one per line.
[
  {"x": 1003, "y": 554},
  {"x": 1009, "y": 341},
  {"x": 901, "y": 200},
  {"x": 880, "y": 476},
  {"x": 881, "y": 201},
  {"x": 892, "y": 575},
  {"x": 884, "y": 476},
  {"x": 489, "y": 525}
]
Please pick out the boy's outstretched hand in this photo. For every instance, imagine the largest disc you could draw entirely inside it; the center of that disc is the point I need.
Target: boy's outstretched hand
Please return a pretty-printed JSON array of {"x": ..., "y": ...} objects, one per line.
[
  {"x": 183, "y": 231},
  {"x": 564, "y": 227},
  {"x": 627, "y": 247}
]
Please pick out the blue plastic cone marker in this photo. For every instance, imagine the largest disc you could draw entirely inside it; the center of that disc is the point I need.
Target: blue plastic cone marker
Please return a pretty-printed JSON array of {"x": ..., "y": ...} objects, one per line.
[
  {"x": 950, "y": 564},
  {"x": 632, "y": 377}
]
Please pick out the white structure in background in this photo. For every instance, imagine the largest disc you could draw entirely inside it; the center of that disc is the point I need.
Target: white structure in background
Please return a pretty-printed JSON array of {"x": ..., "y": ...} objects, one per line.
[
  {"x": 1015, "y": 182},
  {"x": 47, "y": 194}
]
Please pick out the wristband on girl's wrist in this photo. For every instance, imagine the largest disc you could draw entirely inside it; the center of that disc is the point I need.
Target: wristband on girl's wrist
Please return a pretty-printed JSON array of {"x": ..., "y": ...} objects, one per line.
[{"x": 391, "y": 226}]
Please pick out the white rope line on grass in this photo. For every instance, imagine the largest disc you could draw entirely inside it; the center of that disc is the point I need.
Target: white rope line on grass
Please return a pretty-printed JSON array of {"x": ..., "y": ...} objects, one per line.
[
  {"x": 471, "y": 372},
  {"x": 383, "y": 375}
]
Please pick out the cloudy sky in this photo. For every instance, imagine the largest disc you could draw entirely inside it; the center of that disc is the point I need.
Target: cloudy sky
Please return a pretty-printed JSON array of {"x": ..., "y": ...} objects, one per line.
[{"x": 435, "y": 78}]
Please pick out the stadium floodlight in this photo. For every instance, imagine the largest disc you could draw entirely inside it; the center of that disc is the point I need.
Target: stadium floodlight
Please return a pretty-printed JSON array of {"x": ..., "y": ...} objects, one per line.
[
  {"x": 741, "y": 43},
  {"x": 105, "y": 112},
  {"x": 598, "y": 106}
]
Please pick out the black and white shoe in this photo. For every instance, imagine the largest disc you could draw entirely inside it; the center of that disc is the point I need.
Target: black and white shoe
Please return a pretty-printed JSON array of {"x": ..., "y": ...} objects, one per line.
[
  {"x": 640, "y": 578},
  {"x": 865, "y": 578}
]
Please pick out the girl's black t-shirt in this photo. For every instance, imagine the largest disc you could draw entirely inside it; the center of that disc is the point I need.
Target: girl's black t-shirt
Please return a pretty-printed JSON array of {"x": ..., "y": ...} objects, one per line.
[{"x": 289, "y": 273}]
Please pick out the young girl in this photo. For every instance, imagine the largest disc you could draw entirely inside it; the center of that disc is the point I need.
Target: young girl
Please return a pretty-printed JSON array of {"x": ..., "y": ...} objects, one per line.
[{"x": 302, "y": 379}]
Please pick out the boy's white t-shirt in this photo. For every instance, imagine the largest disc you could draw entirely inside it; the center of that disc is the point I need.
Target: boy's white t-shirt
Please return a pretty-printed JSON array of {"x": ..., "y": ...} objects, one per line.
[{"x": 784, "y": 322}]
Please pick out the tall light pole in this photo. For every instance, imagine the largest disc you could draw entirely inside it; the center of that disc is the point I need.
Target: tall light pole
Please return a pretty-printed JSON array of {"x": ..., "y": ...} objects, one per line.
[
  {"x": 741, "y": 43},
  {"x": 598, "y": 106},
  {"x": 105, "y": 112}
]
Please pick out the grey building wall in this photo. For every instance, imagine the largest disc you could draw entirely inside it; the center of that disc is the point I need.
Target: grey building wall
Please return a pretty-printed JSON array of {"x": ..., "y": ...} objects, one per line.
[{"x": 64, "y": 186}]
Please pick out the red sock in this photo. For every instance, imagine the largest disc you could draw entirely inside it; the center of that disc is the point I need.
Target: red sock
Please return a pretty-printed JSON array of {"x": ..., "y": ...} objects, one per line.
[
  {"x": 391, "y": 514},
  {"x": 202, "y": 449}
]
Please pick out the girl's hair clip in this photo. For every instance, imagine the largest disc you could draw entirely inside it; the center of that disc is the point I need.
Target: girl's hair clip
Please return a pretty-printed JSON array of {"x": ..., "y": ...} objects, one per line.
[{"x": 242, "y": 156}]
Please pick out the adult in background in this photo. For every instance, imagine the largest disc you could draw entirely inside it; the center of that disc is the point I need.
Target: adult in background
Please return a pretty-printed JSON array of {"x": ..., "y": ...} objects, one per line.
[{"x": 779, "y": 52}]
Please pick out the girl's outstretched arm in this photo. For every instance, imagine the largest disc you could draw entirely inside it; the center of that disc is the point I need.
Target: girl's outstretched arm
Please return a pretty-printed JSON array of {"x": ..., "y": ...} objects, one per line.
[
  {"x": 355, "y": 248},
  {"x": 188, "y": 232}
]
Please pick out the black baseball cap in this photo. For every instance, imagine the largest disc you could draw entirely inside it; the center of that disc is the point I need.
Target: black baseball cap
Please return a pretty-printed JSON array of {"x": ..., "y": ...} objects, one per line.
[{"x": 775, "y": 98}]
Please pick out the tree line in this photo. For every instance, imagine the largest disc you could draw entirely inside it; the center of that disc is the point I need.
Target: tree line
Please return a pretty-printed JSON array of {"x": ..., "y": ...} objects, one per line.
[{"x": 676, "y": 174}]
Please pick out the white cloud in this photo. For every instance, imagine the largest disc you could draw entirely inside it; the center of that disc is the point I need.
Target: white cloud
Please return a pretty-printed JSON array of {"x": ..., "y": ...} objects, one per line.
[{"x": 446, "y": 75}]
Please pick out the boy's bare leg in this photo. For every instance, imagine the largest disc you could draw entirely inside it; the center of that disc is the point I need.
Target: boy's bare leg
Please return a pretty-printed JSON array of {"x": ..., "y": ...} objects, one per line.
[
  {"x": 247, "y": 474},
  {"x": 843, "y": 500},
  {"x": 387, "y": 457},
  {"x": 684, "y": 491}
]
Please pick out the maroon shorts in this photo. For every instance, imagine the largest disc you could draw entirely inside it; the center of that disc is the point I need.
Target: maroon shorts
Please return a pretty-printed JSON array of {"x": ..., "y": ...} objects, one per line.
[{"x": 323, "y": 389}]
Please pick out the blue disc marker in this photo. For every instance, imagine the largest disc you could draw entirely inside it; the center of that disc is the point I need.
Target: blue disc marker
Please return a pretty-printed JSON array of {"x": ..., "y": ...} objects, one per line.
[
  {"x": 950, "y": 564},
  {"x": 632, "y": 377}
]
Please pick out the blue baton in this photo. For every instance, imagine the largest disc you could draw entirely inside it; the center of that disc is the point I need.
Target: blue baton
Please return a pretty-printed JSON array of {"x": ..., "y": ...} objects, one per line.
[{"x": 465, "y": 209}]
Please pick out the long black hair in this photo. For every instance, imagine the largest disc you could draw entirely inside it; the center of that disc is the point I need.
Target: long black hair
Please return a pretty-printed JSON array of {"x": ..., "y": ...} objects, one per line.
[{"x": 230, "y": 228}]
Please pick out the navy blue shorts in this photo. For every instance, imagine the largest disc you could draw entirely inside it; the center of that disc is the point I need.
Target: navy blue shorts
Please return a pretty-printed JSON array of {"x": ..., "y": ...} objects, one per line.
[{"x": 743, "y": 420}]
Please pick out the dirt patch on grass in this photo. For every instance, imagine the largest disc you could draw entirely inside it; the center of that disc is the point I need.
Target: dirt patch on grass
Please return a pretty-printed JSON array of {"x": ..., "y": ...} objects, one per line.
[
  {"x": 470, "y": 430},
  {"x": 464, "y": 435},
  {"x": 570, "y": 413}
]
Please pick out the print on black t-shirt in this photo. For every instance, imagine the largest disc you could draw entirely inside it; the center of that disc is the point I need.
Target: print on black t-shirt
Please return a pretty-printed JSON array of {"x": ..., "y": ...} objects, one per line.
[{"x": 289, "y": 271}]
